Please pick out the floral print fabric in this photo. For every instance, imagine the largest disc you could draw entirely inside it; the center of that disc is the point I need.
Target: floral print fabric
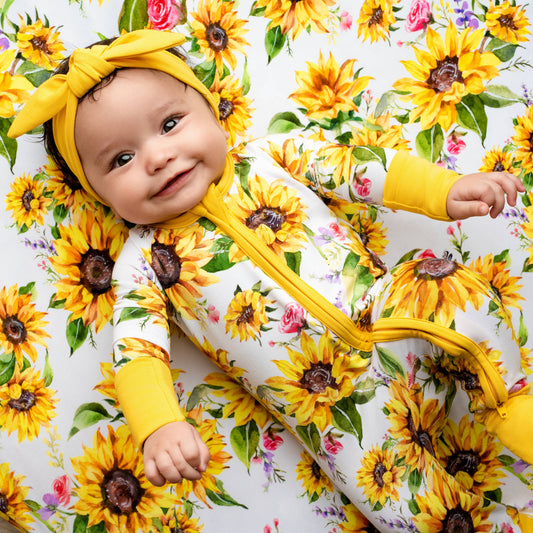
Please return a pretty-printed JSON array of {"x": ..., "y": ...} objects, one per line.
[{"x": 447, "y": 80}]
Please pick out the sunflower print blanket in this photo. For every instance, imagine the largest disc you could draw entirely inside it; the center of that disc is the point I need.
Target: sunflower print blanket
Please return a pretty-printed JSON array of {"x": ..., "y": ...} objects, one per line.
[{"x": 447, "y": 80}]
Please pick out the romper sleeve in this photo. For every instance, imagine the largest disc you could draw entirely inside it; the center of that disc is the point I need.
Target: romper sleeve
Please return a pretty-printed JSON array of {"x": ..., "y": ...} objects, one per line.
[{"x": 141, "y": 344}]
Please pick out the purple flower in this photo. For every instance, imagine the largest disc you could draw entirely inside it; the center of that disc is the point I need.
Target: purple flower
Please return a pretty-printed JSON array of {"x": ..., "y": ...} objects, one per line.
[
  {"x": 51, "y": 502},
  {"x": 466, "y": 17},
  {"x": 4, "y": 42}
]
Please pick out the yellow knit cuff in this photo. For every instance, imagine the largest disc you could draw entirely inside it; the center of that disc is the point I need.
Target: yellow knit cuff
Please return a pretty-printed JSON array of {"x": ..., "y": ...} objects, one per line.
[
  {"x": 146, "y": 395},
  {"x": 416, "y": 185}
]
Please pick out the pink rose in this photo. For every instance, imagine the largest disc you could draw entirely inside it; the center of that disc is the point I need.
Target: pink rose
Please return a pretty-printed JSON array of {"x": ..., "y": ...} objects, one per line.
[
  {"x": 272, "y": 441},
  {"x": 346, "y": 21},
  {"x": 426, "y": 253},
  {"x": 332, "y": 445},
  {"x": 164, "y": 14},
  {"x": 213, "y": 315},
  {"x": 362, "y": 187},
  {"x": 61, "y": 488},
  {"x": 419, "y": 15},
  {"x": 292, "y": 319},
  {"x": 455, "y": 145}
]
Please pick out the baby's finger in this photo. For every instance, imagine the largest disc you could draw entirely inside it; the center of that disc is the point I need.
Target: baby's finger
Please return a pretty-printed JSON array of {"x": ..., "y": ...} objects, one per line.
[
  {"x": 186, "y": 465},
  {"x": 204, "y": 453},
  {"x": 152, "y": 474},
  {"x": 169, "y": 468}
]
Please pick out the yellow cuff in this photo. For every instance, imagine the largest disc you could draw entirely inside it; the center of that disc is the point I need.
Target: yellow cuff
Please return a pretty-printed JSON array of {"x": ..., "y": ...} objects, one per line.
[
  {"x": 146, "y": 395},
  {"x": 526, "y": 523},
  {"x": 416, "y": 185}
]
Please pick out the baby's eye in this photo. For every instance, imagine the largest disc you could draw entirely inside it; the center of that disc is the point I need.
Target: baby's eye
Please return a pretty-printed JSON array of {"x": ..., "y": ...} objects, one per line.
[
  {"x": 170, "y": 124},
  {"x": 122, "y": 159}
]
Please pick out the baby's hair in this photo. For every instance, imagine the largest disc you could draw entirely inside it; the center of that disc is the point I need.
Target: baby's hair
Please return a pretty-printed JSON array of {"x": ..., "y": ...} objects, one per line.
[{"x": 48, "y": 133}]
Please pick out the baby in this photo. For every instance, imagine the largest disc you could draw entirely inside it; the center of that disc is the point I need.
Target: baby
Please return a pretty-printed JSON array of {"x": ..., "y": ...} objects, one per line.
[{"x": 260, "y": 237}]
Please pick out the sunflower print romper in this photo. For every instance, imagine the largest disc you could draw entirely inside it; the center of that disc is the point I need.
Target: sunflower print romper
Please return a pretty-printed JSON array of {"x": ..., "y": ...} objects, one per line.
[{"x": 276, "y": 276}]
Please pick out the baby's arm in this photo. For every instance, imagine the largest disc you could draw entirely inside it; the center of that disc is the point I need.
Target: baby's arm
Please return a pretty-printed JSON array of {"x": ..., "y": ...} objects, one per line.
[
  {"x": 174, "y": 452},
  {"x": 482, "y": 193}
]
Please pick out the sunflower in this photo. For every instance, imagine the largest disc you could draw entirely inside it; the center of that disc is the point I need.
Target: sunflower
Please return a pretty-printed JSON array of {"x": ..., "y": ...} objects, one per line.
[
  {"x": 504, "y": 286},
  {"x": 355, "y": 521},
  {"x": 14, "y": 90},
  {"x": 241, "y": 404},
  {"x": 313, "y": 478},
  {"x": 327, "y": 89},
  {"x": 219, "y": 32},
  {"x": 448, "y": 71},
  {"x": 234, "y": 108},
  {"x": 316, "y": 378},
  {"x": 40, "y": 44},
  {"x": 339, "y": 157},
  {"x": 526, "y": 356},
  {"x": 496, "y": 160},
  {"x": 380, "y": 475},
  {"x": 446, "y": 506},
  {"x": 177, "y": 257},
  {"x": 294, "y": 17},
  {"x": 27, "y": 201},
  {"x": 107, "y": 385},
  {"x": 176, "y": 520},
  {"x": 507, "y": 22},
  {"x": 12, "y": 497},
  {"x": 416, "y": 423},
  {"x": 375, "y": 19},
  {"x": 523, "y": 133},
  {"x": 470, "y": 454},
  {"x": 26, "y": 404},
  {"x": 527, "y": 226},
  {"x": 433, "y": 289},
  {"x": 148, "y": 297},
  {"x": 66, "y": 191},
  {"x": 291, "y": 159},
  {"x": 273, "y": 211},
  {"x": 246, "y": 314},
  {"x": 112, "y": 487},
  {"x": 86, "y": 253},
  {"x": 379, "y": 132},
  {"x": 132, "y": 348},
  {"x": 371, "y": 232},
  {"x": 220, "y": 358},
  {"x": 21, "y": 327},
  {"x": 217, "y": 463}
]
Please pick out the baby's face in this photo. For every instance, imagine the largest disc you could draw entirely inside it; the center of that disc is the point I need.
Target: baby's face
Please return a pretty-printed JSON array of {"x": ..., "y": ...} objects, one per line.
[{"x": 150, "y": 146}]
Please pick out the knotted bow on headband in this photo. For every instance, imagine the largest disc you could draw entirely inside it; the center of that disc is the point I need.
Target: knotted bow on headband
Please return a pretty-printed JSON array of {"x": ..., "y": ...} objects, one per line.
[{"x": 57, "y": 98}]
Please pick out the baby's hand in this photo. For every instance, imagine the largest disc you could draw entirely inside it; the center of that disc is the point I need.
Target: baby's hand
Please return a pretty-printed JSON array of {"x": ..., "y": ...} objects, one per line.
[
  {"x": 482, "y": 193},
  {"x": 174, "y": 452}
]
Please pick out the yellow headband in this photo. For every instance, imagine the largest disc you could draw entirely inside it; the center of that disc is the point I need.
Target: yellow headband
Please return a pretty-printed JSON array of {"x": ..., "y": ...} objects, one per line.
[{"x": 57, "y": 98}]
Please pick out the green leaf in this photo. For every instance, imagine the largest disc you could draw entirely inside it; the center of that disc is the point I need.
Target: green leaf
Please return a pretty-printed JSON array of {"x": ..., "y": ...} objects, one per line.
[
  {"x": 76, "y": 334},
  {"x": 472, "y": 116},
  {"x": 133, "y": 15},
  {"x": 429, "y": 143},
  {"x": 390, "y": 363},
  {"x": 501, "y": 49},
  {"x": 80, "y": 523},
  {"x": 35, "y": 74},
  {"x": 97, "y": 528},
  {"x": 222, "y": 497},
  {"x": 346, "y": 418},
  {"x": 275, "y": 40},
  {"x": 206, "y": 72},
  {"x": 8, "y": 146},
  {"x": 294, "y": 260},
  {"x": 499, "y": 96},
  {"x": 387, "y": 99},
  {"x": 244, "y": 441},
  {"x": 131, "y": 313},
  {"x": 5, "y": 9},
  {"x": 87, "y": 415},
  {"x": 7, "y": 367},
  {"x": 245, "y": 79},
  {"x": 284, "y": 122},
  {"x": 197, "y": 395},
  {"x": 310, "y": 436},
  {"x": 48, "y": 373},
  {"x": 364, "y": 391},
  {"x": 415, "y": 481},
  {"x": 220, "y": 260},
  {"x": 522, "y": 331},
  {"x": 364, "y": 154}
]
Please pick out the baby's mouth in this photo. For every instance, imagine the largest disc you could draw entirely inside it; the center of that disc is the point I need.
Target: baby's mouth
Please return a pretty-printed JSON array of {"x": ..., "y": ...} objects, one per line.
[{"x": 174, "y": 183}]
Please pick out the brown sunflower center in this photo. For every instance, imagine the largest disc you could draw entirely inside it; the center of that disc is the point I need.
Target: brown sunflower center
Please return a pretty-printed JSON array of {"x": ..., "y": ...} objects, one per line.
[
  {"x": 463, "y": 461},
  {"x": 457, "y": 521},
  {"x": 315, "y": 469},
  {"x": 435, "y": 268},
  {"x": 166, "y": 264},
  {"x": 246, "y": 315},
  {"x": 469, "y": 380},
  {"x": 445, "y": 74},
  {"x": 531, "y": 141},
  {"x": 225, "y": 108},
  {"x": 96, "y": 271},
  {"x": 27, "y": 198},
  {"x": 420, "y": 436},
  {"x": 508, "y": 22},
  {"x": 269, "y": 216},
  {"x": 4, "y": 504},
  {"x": 14, "y": 330},
  {"x": 177, "y": 529},
  {"x": 217, "y": 37},
  {"x": 24, "y": 402},
  {"x": 40, "y": 44},
  {"x": 379, "y": 472},
  {"x": 498, "y": 167},
  {"x": 317, "y": 378},
  {"x": 122, "y": 492},
  {"x": 376, "y": 18}
]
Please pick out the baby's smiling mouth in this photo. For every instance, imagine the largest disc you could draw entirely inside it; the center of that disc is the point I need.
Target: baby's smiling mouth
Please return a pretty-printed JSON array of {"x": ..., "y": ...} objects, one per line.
[{"x": 174, "y": 184}]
